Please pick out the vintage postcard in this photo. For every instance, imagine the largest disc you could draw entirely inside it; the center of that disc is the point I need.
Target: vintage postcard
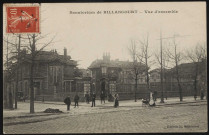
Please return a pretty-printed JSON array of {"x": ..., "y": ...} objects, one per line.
[{"x": 138, "y": 67}]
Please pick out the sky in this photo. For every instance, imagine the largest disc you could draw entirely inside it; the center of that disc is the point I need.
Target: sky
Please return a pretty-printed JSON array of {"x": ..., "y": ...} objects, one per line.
[{"x": 88, "y": 36}]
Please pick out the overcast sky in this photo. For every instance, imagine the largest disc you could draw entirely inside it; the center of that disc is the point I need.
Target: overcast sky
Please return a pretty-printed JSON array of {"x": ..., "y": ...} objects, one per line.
[{"x": 87, "y": 36}]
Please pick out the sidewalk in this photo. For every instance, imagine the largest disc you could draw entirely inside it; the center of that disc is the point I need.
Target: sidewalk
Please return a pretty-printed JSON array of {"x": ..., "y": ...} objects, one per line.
[
  {"x": 84, "y": 108},
  {"x": 171, "y": 100},
  {"x": 176, "y": 100}
]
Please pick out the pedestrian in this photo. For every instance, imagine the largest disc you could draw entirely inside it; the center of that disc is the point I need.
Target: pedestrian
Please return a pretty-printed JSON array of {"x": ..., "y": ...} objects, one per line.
[
  {"x": 155, "y": 95},
  {"x": 67, "y": 101},
  {"x": 93, "y": 99},
  {"x": 202, "y": 94},
  {"x": 116, "y": 100},
  {"x": 102, "y": 97},
  {"x": 76, "y": 98},
  {"x": 87, "y": 97},
  {"x": 151, "y": 100}
]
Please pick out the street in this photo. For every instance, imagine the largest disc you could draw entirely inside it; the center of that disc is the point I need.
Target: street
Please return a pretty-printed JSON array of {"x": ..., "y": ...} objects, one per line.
[{"x": 189, "y": 117}]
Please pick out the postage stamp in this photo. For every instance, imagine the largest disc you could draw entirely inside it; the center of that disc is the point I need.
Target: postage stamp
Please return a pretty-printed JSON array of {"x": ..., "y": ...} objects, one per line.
[{"x": 22, "y": 19}]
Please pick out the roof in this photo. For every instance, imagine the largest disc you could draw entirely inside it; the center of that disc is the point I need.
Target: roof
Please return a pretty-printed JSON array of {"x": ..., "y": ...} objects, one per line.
[
  {"x": 47, "y": 56},
  {"x": 112, "y": 63},
  {"x": 185, "y": 68},
  {"x": 159, "y": 70}
]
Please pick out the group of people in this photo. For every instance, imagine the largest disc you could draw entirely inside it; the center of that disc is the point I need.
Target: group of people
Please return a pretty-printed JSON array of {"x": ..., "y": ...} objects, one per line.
[
  {"x": 67, "y": 100},
  {"x": 153, "y": 98}
]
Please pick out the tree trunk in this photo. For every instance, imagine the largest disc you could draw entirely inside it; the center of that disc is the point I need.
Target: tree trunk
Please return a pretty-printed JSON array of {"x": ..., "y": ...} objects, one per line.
[
  {"x": 135, "y": 87},
  {"x": 16, "y": 90},
  {"x": 31, "y": 89},
  {"x": 147, "y": 74},
  {"x": 179, "y": 85},
  {"x": 195, "y": 80}
]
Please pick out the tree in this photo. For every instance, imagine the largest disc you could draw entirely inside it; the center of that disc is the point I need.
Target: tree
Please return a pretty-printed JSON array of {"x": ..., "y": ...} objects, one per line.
[
  {"x": 32, "y": 39},
  {"x": 11, "y": 58},
  {"x": 137, "y": 65},
  {"x": 77, "y": 73},
  {"x": 32, "y": 47},
  {"x": 145, "y": 58},
  {"x": 176, "y": 57},
  {"x": 195, "y": 55},
  {"x": 164, "y": 64}
]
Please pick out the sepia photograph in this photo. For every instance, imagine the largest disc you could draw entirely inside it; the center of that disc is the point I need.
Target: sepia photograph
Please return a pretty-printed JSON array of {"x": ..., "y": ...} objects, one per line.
[{"x": 126, "y": 67}]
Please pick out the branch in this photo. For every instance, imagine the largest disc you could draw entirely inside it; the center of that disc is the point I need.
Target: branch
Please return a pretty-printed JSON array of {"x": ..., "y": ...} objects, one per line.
[{"x": 37, "y": 52}]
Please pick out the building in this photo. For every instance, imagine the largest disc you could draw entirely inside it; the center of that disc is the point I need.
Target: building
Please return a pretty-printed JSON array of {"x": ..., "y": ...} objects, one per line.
[
  {"x": 187, "y": 73},
  {"x": 111, "y": 76},
  {"x": 55, "y": 76}
]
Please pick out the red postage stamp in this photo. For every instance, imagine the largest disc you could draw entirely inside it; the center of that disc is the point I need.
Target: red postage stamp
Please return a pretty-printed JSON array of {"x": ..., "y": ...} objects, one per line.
[{"x": 23, "y": 19}]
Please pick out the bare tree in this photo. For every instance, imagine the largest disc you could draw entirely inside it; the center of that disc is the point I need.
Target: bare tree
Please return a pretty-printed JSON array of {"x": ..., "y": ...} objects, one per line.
[
  {"x": 176, "y": 57},
  {"x": 195, "y": 55},
  {"x": 33, "y": 42},
  {"x": 145, "y": 56},
  {"x": 164, "y": 64},
  {"x": 10, "y": 58},
  {"x": 137, "y": 65}
]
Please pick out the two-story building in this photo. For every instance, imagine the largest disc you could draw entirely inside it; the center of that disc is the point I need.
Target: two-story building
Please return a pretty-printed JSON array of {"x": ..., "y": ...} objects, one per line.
[
  {"x": 111, "y": 76},
  {"x": 55, "y": 76}
]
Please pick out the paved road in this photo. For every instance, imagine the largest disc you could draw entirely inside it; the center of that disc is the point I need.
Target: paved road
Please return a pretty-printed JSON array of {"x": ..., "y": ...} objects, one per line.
[{"x": 175, "y": 118}]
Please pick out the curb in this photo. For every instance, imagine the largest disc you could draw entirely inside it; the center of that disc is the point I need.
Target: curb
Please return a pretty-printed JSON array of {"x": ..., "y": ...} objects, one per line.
[
  {"x": 162, "y": 104},
  {"x": 31, "y": 121},
  {"x": 26, "y": 116}
]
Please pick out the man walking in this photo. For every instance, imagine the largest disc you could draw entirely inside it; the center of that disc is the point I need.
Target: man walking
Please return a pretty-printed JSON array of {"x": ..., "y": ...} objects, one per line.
[
  {"x": 67, "y": 101},
  {"x": 93, "y": 99},
  {"x": 76, "y": 98}
]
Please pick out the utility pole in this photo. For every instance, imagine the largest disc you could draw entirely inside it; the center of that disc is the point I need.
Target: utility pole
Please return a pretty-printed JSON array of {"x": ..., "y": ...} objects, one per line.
[
  {"x": 165, "y": 82},
  {"x": 161, "y": 69},
  {"x": 31, "y": 76},
  {"x": 17, "y": 73},
  {"x": 6, "y": 81},
  {"x": 7, "y": 53}
]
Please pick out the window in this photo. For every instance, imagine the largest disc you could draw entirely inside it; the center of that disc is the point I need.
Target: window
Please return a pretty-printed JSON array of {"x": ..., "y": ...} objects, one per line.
[
  {"x": 112, "y": 89},
  {"x": 104, "y": 70},
  {"x": 54, "y": 74},
  {"x": 86, "y": 88},
  {"x": 26, "y": 88}
]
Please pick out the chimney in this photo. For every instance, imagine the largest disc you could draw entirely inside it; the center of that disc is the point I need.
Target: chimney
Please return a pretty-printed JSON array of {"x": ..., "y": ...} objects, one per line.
[{"x": 65, "y": 53}]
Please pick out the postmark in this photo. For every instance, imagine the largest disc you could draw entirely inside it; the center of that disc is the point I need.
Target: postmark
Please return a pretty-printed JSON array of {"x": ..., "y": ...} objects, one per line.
[{"x": 23, "y": 19}]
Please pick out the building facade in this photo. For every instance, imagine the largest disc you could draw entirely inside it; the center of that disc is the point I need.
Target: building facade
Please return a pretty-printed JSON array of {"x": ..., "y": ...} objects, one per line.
[
  {"x": 55, "y": 76},
  {"x": 114, "y": 76},
  {"x": 187, "y": 72}
]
